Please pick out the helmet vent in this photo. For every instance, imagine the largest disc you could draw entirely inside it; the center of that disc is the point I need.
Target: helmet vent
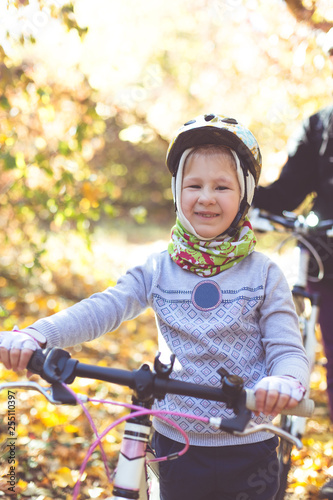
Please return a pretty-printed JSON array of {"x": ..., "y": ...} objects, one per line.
[
  {"x": 230, "y": 120},
  {"x": 189, "y": 123},
  {"x": 208, "y": 118}
]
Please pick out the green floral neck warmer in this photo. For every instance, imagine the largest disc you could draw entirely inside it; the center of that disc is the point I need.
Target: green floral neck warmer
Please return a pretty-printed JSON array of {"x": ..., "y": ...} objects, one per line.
[{"x": 208, "y": 258}]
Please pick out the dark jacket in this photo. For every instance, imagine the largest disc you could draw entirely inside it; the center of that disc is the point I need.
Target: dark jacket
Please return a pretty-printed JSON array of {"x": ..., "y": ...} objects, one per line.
[{"x": 309, "y": 169}]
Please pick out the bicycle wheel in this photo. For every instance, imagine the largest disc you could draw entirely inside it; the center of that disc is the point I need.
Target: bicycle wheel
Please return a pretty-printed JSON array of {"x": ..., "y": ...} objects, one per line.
[
  {"x": 307, "y": 308},
  {"x": 284, "y": 457}
]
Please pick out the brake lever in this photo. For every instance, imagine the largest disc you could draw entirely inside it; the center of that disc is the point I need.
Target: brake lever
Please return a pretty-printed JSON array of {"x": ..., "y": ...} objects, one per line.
[
  {"x": 252, "y": 428},
  {"x": 47, "y": 392}
]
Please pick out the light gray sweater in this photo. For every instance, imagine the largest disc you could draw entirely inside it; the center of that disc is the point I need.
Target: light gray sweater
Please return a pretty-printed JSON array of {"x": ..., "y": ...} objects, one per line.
[{"x": 242, "y": 319}]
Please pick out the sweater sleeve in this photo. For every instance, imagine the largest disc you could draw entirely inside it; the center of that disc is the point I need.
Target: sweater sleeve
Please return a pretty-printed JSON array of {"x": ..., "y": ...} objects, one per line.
[
  {"x": 100, "y": 313},
  {"x": 298, "y": 177},
  {"x": 281, "y": 337}
]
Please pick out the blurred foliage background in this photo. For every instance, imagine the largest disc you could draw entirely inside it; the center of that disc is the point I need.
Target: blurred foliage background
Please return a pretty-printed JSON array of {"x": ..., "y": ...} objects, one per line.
[{"x": 90, "y": 95}]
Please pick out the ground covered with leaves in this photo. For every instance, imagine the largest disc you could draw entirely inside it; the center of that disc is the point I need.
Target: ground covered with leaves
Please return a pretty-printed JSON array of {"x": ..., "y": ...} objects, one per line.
[{"x": 51, "y": 442}]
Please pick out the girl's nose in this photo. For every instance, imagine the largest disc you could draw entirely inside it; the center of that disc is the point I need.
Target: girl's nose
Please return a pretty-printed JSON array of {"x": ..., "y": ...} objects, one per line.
[{"x": 207, "y": 197}]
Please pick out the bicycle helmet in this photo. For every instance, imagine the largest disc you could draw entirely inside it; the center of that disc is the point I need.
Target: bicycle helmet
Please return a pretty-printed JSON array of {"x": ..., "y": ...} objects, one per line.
[{"x": 224, "y": 131}]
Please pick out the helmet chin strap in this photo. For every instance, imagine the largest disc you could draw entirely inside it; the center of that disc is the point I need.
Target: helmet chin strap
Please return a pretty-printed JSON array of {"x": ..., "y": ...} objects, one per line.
[
  {"x": 176, "y": 186},
  {"x": 247, "y": 187},
  {"x": 233, "y": 228}
]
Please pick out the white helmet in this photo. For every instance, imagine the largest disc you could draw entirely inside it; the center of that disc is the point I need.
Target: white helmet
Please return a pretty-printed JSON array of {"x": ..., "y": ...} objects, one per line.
[{"x": 220, "y": 130}]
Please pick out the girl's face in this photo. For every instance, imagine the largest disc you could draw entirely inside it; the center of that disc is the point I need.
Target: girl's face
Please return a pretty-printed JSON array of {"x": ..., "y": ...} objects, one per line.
[{"x": 210, "y": 195}]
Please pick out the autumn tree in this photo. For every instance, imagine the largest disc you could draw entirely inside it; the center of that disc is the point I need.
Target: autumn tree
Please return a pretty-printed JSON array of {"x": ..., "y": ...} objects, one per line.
[{"x": 84, "y": 134}]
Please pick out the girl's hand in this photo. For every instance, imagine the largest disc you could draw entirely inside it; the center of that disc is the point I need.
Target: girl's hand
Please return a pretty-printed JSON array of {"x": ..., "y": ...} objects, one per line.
[
  {"x": 16, "y": 349},
  {"x": 273, "y": 394}
]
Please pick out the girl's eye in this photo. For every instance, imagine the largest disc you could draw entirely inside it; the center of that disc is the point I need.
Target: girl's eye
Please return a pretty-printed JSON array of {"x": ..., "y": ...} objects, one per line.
[{"x": 221, "y": 188}]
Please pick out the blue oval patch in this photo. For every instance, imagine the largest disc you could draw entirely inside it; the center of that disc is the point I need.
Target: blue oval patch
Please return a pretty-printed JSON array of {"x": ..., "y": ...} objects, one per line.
[{"x": 206, "y": 295}]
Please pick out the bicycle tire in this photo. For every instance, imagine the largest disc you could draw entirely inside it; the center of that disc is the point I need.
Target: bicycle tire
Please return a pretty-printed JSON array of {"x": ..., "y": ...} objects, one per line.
[
  {"x": 286, "y": 422},
  {"x": 284, "y": 458}
]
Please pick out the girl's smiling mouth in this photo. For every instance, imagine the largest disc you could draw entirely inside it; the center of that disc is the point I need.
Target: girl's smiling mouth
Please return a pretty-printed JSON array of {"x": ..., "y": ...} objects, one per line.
[{"x": 206, "y": 215}]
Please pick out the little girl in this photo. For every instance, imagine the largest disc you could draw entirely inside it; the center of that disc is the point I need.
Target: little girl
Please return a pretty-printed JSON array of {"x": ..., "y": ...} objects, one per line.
[{"x": 217, "y": 302}]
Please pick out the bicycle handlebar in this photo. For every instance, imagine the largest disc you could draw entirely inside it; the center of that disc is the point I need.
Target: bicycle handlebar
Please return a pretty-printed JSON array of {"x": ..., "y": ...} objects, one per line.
[
  {"x": 304, "y": 229},
  {"x": 163, "y": 386},
  {"x": 305, "y": 408},
  {"x": 299, "y": 224},
  {"x": 56, "y": 366}
]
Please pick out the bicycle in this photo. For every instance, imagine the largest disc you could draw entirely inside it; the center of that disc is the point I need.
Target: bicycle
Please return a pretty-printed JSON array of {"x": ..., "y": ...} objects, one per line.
[
  {"x": 300, "y": 228},
  {"x": 132, "y": 479}
]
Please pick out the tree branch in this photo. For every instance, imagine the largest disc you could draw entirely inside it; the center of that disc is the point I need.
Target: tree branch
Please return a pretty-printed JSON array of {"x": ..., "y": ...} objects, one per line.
[{"x": 307, "y": 15}]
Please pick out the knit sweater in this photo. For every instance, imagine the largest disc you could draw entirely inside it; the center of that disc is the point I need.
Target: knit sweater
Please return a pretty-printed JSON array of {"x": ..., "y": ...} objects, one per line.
[{"x": 242, "y": 319}]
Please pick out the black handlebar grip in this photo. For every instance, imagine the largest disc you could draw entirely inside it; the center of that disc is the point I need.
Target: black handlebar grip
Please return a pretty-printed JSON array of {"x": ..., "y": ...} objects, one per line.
[{"x": 36, "y": 361}]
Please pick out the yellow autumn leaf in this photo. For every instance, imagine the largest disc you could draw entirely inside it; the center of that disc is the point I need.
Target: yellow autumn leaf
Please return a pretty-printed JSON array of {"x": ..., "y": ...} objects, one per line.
[
  {"x": 71, "y": 429},
  {"x": 10, "y": 304},
  {"x": 52, "y": 419},
  {"x": 65, "y": 477},
  {"x": 22, "y": 484}
]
